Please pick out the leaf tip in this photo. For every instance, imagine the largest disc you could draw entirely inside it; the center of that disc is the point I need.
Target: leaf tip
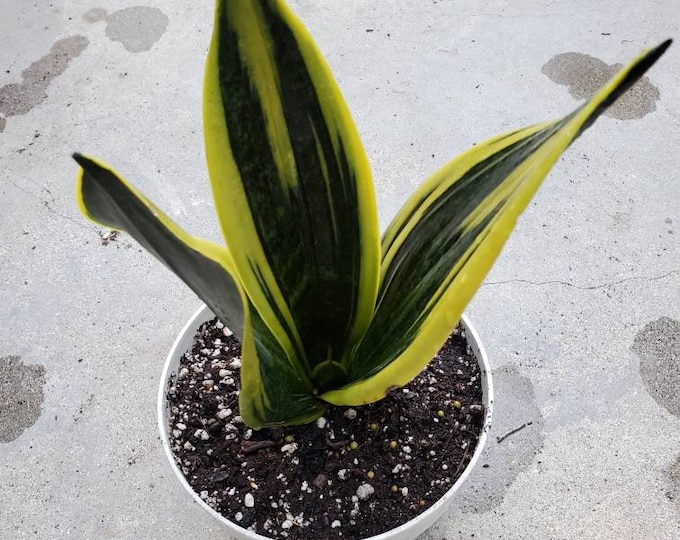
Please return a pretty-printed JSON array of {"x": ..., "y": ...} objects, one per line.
[{"x": 79, "y": 158}]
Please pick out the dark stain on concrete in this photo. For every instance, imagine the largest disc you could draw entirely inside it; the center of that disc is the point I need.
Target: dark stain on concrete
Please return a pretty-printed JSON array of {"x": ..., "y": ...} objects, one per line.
[
  {"x": 20, "y": 98},
  {"x": 136, "y": 28},
  {"x": 95, "y": 15},
  {"x": 658, "y": 346},
  {"x": 501, "y": 462},
  {"x": 622, "y": 220},
  {"x": 21, "y": 396},
  {"x": 673, "y": 492},
  {"x": 583, "y": 75}
]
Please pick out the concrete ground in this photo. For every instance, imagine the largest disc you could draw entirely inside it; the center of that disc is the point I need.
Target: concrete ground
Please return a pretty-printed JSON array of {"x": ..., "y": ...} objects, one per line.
[{"x": 580, "y": 317}]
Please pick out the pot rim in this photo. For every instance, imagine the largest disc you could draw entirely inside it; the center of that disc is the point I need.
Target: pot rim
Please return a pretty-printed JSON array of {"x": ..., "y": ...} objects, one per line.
[{"x": 409, "y": 529}]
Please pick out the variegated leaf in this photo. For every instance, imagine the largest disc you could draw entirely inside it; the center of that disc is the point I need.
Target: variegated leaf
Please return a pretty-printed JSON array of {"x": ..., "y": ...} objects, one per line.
[
  {"x": 292, "y": 185},
  {"x": 107, "y": 199},
  {"x": 441, "y": 245}
]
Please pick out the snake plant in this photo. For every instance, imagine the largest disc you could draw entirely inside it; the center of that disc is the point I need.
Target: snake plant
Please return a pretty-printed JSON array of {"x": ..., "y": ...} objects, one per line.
[{"x": 327, "y": 310}]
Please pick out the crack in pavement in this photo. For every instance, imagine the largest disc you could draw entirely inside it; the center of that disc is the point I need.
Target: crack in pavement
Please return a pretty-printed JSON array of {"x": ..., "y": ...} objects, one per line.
[
  {"x": 46, "y": 204},
  {"x": 583, "y": 287}
]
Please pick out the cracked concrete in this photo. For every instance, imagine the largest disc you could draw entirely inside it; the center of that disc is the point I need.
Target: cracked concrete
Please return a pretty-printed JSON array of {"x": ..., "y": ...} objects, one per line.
[
  {"x": 593, "y": 262},
  {"x": 583, "y": 287}
]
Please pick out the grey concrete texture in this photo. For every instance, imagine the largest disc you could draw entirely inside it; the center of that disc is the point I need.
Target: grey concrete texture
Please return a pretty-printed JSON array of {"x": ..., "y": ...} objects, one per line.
[{"x": 579, "y": 316}]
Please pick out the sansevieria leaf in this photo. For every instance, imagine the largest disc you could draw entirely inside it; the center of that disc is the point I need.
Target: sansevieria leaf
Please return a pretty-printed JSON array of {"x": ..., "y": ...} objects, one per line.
[
  {"x": 107, "y": 199},
  {"x": 292, "y": 186},
  {"x": 441, "y": 245}
]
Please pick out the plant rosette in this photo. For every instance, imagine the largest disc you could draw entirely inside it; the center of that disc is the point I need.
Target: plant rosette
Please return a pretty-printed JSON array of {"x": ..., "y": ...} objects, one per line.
[{"x": 401, "y": 531}]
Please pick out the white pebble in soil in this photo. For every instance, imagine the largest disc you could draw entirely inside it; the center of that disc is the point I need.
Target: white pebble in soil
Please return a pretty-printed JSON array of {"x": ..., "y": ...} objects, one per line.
[
  {"x": 336, "y": 524},
  {"x": 201, "y": 434},
  {"x": 364, "y": 491},
  {"x": 249, "y": 500},
  {"x": 289, "y": 448},
  {"x": 223, "y": 413}
]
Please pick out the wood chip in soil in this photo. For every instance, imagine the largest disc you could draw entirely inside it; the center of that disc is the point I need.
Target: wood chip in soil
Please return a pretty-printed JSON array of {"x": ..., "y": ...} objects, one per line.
[{"x": 354, "y": 473}]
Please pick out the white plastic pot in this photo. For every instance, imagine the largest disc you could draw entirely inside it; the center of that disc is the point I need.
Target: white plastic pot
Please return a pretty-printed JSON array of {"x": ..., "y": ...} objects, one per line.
[{"x": 407, "y": 531}]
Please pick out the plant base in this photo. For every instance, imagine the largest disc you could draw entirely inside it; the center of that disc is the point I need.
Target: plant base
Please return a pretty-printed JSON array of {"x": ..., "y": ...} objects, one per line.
[{"x": 356, "y": 473}]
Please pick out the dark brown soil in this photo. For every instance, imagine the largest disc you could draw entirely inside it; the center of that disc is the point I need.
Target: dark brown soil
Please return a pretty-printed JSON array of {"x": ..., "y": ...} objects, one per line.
[{"x": 355, "y": 473}]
